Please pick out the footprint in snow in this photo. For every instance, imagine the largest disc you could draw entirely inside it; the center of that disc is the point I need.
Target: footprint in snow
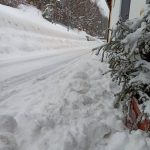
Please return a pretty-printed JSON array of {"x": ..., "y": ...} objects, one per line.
[
  {"x": 8, "y": 142},
  {"x": 80, "y": 83},
  {"x": 8, "y": 126}
]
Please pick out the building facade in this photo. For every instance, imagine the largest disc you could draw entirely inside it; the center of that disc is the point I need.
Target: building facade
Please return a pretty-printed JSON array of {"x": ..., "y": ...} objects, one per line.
[{"x": 126, "y": 9}]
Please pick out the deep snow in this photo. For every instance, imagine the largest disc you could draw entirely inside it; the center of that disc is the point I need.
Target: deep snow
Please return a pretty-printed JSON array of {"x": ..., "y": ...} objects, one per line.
[
  {"x": 65, "y": 107},
  {"x": 71, "y": 109}
]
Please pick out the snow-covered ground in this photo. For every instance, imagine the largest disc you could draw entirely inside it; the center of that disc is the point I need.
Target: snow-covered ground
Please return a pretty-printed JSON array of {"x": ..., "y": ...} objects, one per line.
[
  {"x": 28, "y": 42},
  {"x": 53, "y": 94}
]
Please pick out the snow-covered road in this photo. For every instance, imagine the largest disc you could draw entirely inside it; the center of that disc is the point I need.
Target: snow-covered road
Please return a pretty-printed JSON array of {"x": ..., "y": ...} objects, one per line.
[
  {"x": 11, "y": 68},
  {"x": 23, "y": 59},
  {"x": 30, "y": 45}
]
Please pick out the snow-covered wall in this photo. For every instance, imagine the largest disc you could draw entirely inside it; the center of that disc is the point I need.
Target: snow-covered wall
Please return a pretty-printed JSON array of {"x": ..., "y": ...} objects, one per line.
[{"x": 136, "y": 8}]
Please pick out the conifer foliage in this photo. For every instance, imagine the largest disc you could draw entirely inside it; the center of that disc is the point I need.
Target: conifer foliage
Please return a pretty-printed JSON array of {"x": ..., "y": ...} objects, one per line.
[{"x": 128, "y": 54}]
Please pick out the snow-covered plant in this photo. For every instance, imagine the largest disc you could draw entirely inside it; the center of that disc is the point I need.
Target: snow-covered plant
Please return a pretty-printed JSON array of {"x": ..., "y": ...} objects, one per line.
[{"x": 128, "y": 53}]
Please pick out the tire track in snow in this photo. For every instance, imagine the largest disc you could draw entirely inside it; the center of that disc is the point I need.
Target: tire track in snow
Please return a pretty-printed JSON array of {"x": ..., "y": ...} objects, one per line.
[{"x": 7, "y": 86}]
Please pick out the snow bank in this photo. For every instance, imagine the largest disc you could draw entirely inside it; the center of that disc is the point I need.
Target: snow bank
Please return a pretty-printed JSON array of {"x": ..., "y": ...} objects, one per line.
[
  {"x": 126, "y": 141},
  {"x": 8, "y": 125},
  {"x": 70, "y": 110},
  {"x": 23, "y": 31},
  {"x": 30, "y": 10},
  {"x": 27, "y": 19}
]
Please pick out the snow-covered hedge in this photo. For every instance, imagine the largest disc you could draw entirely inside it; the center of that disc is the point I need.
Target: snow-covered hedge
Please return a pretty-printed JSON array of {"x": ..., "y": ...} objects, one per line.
[{"x": 128, "y": 53}]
